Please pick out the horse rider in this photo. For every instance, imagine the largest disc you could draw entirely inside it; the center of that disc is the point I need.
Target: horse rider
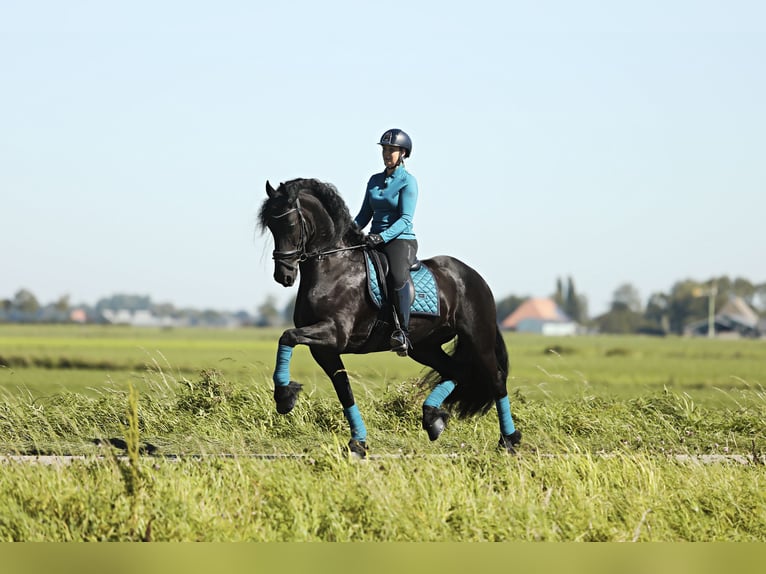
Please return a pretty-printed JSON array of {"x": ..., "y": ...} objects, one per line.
[{"x": 389, "y": 201}]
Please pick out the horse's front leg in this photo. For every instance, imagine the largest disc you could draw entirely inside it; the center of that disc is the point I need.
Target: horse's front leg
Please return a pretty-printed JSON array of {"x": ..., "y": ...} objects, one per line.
[
  {"x": 285, "y": 390},
  {"x": 322, "y": 340},
  {"x": 332, "y": 365}
]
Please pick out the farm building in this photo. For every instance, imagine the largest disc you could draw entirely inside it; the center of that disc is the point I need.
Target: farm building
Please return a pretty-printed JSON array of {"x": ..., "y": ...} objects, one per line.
[
  {"x": 541, "y": 316},
  {"x": 137, "y": 318},
  {"x": 735, "y": 319}
]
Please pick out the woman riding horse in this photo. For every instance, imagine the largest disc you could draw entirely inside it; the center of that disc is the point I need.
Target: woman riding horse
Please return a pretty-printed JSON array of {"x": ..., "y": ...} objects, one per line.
[
  {"x": 316, "y": 238},
  {"x": 389, "y": 202}
]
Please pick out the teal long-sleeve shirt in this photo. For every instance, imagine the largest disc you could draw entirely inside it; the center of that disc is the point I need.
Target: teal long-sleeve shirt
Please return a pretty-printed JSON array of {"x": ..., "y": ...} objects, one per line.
[{"x": 390, "y": 203}]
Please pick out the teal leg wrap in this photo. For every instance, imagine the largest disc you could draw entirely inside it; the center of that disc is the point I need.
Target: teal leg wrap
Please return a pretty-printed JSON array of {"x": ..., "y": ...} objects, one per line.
[
  {"x": 504, "y": 414},
  {"x": 354, "y": 418},
  {"x": 440, "y": 392},
  {"x": 282, "y": 370}
]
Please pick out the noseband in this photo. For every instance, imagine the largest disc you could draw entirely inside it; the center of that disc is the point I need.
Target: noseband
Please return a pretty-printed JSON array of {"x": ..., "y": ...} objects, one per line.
[{"x": 299, "y": 254}]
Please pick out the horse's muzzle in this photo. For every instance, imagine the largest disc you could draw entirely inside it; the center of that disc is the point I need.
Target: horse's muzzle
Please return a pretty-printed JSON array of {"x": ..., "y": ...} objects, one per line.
[
  {"x": 285, "y": 274},
  {"x": 285, "y": 280}
]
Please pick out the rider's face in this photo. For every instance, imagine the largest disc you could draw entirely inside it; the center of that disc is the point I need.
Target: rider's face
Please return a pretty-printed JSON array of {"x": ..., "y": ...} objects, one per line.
[{"x": 392, "y": 155}]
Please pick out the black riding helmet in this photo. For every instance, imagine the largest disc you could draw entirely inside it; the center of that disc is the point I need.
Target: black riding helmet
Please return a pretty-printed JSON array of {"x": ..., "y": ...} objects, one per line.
[{"x": 397, "y": 138}]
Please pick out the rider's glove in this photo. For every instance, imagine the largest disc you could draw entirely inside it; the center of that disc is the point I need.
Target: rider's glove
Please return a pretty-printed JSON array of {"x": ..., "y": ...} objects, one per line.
[{"x": 373, "y": 240}]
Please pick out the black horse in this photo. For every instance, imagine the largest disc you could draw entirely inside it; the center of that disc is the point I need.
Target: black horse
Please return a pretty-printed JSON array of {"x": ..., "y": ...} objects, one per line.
[{"x": 334, "y": 314}]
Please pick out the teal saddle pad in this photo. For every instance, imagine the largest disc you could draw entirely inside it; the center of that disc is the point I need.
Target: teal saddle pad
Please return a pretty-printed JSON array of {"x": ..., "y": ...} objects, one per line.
[{"x": 426, "y": 299}]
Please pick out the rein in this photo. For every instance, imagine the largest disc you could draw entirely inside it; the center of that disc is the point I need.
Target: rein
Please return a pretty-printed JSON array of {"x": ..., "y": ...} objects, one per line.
[
  {"x": 321, "y": 254},
  {"x": 299, "y": 253}
]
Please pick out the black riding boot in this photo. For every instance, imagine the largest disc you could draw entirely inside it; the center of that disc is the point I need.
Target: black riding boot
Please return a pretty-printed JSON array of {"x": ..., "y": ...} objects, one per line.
[{"x": 400, "y": 342}]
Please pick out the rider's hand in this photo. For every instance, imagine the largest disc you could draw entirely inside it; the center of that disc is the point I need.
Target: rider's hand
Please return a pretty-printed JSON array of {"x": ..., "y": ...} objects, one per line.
[{"x": 373, "y": 240}]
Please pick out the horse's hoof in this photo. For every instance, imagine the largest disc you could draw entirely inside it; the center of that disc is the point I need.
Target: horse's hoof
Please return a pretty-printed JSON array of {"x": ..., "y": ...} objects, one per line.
[
  {"x": 507, "y": 442},
  {"x": 434, "y": 421},
  {"x": 357, "y": 448},
  {"x": 286, "y": 396},
  {"x": 436, "y": 429}
]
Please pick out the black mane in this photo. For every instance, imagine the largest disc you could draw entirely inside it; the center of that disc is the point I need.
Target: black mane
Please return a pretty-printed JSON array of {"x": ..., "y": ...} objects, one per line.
[{"x": 327, "y": 195}]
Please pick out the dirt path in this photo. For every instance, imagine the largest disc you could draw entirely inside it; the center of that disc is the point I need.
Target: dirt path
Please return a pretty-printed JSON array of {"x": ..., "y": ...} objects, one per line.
[{"x": 63, "y": 460}]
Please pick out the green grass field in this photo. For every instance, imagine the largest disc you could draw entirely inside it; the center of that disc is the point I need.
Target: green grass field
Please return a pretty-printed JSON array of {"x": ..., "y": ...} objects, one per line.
[
  {"x": 616, "y": 431},
  {"x": 55, "y": 358}
]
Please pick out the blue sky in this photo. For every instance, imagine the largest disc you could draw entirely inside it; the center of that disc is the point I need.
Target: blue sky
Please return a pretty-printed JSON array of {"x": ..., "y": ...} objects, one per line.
[{"x": 611, "y": 141}]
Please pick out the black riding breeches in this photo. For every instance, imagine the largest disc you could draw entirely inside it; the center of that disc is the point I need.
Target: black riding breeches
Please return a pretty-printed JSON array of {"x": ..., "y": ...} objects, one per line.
[{"x": 401, "y": 255}]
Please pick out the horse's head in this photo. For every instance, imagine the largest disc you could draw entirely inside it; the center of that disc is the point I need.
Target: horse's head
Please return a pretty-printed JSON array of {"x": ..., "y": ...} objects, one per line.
[
  {"x": 282, "y": 215},
  {"x": 307, "y": 218}
]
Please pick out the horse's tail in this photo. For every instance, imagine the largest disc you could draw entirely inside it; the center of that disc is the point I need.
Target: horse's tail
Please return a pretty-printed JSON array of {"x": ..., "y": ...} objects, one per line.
[
  {"x": 478, "y": 361},
  {"x": 501, "y": 353},
  {"x": 472, "y": 395}
]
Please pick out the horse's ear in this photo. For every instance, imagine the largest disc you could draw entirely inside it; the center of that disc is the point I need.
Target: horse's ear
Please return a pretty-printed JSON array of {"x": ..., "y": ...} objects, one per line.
[{"x": 270, "y": 190}]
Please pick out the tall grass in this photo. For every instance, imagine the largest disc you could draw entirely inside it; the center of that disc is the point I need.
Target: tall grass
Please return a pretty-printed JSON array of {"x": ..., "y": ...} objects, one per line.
[
  {"x": 476, "y": 497},
  {"x": 203, "y": 455},
  {"x": 592, "y": 468}
]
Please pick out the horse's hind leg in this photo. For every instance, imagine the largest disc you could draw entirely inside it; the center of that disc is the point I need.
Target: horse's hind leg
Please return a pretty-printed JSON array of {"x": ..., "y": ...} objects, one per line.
[
  {"x": 434, "y": 417},
  {"x": 492, "y": 362},
  {"x": 481, "y": 347},
  {"x": 510, "y": 436},
  {"x": 332, "y": 365}
]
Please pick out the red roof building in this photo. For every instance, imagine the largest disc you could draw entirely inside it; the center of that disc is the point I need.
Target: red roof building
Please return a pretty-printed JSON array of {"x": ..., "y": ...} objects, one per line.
[{"x": 540, "y": 316}]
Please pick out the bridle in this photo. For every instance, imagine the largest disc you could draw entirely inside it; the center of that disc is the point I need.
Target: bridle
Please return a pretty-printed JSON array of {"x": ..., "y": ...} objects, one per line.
[{"x": 299, "y": 254}]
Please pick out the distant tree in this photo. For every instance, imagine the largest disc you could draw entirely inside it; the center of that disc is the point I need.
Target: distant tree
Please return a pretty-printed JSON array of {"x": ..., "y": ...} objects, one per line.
[
  {"x": 619, "y": 320},
  {"x": 656, "y": 312},
  {"x": 743, "y": 288},
  {"x": 684, "y": 297},
  {"x": 575, "y": 305},
  {"x": 558, "y": 296},
  {"x": 244, "y": 318},
  {"x": 211, "y": 317},
  {"x": 5, "y": 308},
  {"x": 624, "y": 316},
  {"x": 627, "y": 296},
  {"x": 164, "y": 310},
  {"x": 24, "y": 301},
  {"x": 289, "y": 311},
  {"x": 62, "y": 305},
  {"x": 267, "y": 313}
]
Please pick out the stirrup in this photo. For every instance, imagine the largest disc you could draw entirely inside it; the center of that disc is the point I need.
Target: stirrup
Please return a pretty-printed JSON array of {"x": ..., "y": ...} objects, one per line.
[{"x": 400, "y": 343}]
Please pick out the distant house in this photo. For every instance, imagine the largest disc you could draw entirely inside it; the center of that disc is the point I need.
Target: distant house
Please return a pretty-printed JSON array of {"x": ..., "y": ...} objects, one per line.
[
  {"x": 735, "y": 319},
  {"x": 137, "y": 318},
  {"x": 78, "y": 316},
  {"x": 541, "y": 316},
  {"x": 146, "y": 318}
]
